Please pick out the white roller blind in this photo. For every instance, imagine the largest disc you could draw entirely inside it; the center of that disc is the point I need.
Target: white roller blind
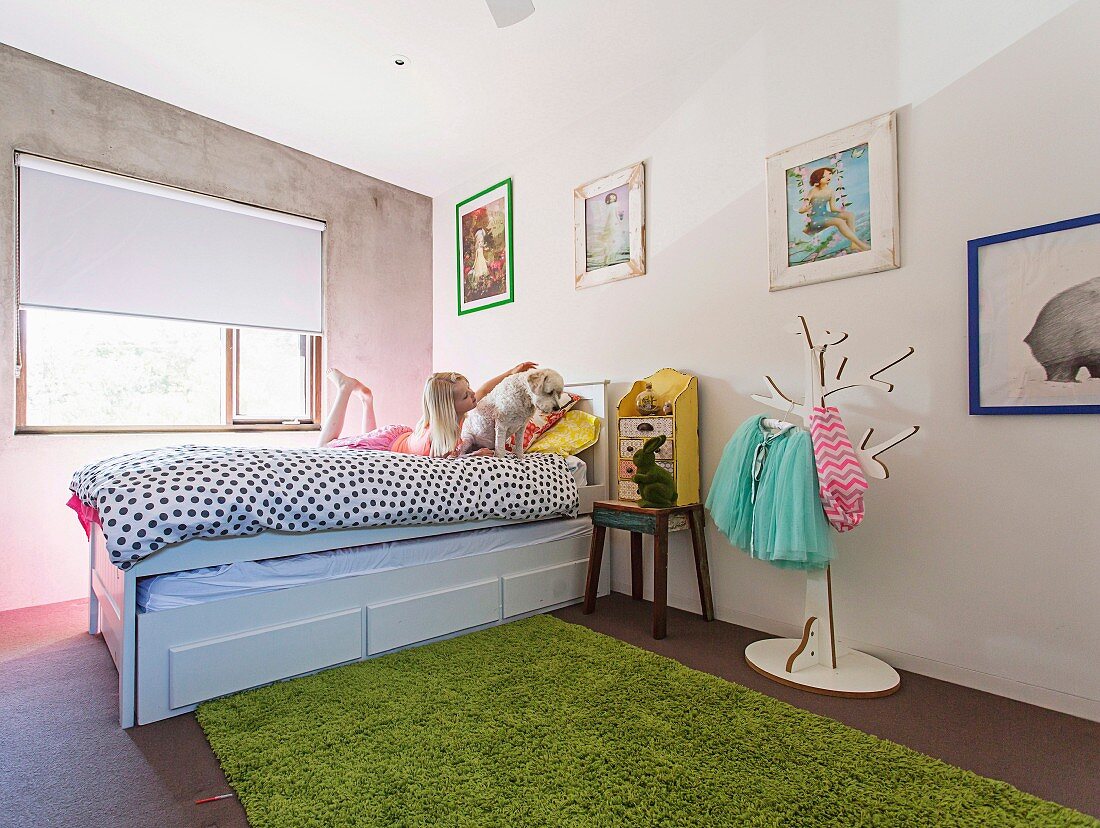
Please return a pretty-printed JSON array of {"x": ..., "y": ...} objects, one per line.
[{"x": 90, "y": 240}]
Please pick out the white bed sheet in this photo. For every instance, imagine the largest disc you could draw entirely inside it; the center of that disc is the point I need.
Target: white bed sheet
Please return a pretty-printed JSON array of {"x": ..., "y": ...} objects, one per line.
[{"x": 197, "y": 586}]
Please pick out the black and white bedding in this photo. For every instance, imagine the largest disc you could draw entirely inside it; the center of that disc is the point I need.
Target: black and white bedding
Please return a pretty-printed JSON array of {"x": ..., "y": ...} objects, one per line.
[{"x": 151, "y": 499}]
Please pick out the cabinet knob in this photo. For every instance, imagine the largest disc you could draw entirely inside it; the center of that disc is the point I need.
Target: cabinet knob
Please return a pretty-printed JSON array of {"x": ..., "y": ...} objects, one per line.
[{"x": 645, "y": 426}]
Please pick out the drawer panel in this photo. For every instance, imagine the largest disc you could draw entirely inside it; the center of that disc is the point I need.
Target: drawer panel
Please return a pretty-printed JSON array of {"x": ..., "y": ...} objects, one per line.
[
  {"x": 530, "y": 591},
  {"x": 408, "y": 620},
  {"x": 628, "y": 490},
  {"x": 206, "y": 669},
  {"x": 627, "y": 469},
  {"x": 645, "y": 427},
  {"x": 628, "y": 446}
]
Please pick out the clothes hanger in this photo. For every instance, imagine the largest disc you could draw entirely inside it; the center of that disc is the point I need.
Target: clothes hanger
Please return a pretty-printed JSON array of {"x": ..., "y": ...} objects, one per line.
[{"x": 778, "y": 426}]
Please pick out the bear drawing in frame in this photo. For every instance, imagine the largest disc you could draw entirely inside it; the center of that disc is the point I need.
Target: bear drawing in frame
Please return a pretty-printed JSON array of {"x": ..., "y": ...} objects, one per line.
[
  {"x": 1066, "y": 334},
  {"x": 655, "y": 485}
]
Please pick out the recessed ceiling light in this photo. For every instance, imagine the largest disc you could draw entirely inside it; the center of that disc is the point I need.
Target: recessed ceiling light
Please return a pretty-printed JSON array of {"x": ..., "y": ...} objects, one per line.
[{"x": 400, "y": 60}]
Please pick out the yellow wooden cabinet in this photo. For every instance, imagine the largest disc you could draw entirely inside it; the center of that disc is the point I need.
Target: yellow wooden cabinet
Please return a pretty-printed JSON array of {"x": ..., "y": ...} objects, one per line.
[{"x": 680, "y": 453}]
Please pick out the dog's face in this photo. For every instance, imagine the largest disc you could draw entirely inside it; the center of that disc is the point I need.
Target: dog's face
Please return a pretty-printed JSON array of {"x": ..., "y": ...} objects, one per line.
[{"x": 546, "y": 387}]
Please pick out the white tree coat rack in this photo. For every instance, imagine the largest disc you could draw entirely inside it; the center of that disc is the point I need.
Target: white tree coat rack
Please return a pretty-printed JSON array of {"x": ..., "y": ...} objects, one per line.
[{"x": 816, "y": 662}]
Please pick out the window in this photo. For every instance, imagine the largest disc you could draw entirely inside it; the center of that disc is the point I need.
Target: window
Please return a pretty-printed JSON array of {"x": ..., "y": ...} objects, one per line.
[
  {"x": 273, "y": 376},
  {"x": 147, "y": 307},
  {"x": 90, "y": 372}
]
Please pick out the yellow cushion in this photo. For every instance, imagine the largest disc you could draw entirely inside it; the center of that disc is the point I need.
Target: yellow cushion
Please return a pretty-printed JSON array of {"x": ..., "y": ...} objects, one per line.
[{"x": 575, "y": 432}]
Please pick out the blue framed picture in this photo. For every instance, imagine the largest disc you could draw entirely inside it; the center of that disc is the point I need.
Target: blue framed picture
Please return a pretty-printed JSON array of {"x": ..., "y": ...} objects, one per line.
[{"x": 1035, "y": 319}]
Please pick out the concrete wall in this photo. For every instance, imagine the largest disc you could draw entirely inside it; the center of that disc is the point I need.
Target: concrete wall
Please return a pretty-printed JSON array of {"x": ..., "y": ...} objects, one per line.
[
  {"x": 377, "y": 282},
  {"x": 977, "y": 561}
]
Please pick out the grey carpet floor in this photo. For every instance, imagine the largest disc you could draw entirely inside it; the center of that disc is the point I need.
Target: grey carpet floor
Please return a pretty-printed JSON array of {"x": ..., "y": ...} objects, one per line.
[{"x": 64, "y": 761}]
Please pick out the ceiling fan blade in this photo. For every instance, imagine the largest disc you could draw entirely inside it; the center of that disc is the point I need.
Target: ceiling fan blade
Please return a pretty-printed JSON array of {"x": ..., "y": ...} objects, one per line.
[{"x": 507, "y": 12}]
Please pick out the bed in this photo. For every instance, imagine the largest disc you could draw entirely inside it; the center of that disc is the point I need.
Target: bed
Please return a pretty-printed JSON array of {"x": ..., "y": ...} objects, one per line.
[{"x": 202, "y": 614}]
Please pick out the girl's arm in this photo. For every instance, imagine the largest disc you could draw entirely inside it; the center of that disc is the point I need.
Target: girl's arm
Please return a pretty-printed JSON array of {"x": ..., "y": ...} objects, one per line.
[{"x": 495, "y": 381}]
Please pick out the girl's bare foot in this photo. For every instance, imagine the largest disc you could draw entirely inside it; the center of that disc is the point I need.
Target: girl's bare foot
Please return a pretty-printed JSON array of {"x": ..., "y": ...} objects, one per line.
[
  {"x": 339, "y": 378},
  {"x": 343, "y": 381}
]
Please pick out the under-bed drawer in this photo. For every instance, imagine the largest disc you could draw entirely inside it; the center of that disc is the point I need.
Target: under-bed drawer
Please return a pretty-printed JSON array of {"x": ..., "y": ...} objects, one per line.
[
  {"x": 530, "y": 591},
  {"x": 206, "y": 669},
  {"x": 419, "y": 617}
]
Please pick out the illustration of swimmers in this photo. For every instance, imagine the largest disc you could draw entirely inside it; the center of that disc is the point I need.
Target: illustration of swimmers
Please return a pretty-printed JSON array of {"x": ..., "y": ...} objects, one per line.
[{"x": 822, "y": 210}]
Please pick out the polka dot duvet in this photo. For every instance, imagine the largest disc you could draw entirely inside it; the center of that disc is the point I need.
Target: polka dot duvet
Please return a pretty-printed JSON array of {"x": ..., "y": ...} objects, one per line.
[{"x": 151, "y": 499}]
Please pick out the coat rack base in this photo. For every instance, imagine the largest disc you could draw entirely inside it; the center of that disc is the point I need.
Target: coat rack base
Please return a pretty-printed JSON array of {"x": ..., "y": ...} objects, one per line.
[{"x": 856, "y": 675}]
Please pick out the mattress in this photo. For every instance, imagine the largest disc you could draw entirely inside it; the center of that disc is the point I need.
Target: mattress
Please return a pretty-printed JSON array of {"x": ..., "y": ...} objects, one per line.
[{"x": 213, "y": 583}]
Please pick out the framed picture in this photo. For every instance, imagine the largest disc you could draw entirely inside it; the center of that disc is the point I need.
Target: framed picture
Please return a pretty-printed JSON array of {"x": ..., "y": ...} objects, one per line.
[
  {"x": 1035, "y": 320},
  {"x": 485, "y": 268},
  {"x": 609, "y": 227},
  {"x": 833, "y": 205}
]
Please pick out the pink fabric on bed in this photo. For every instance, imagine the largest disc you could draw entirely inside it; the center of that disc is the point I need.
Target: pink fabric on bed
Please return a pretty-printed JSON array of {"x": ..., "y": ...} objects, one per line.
[
  {"x": 87, "y": 515},
  {"x": 381, "y": 439}
]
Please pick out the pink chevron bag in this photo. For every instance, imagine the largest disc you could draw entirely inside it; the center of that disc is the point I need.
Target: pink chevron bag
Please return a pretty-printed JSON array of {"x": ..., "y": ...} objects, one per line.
[{"x": 839, "y": 474}]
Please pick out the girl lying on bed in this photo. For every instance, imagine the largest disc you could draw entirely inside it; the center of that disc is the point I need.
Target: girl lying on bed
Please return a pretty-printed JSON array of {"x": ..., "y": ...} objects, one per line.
[{"x": 447, "y": 399}]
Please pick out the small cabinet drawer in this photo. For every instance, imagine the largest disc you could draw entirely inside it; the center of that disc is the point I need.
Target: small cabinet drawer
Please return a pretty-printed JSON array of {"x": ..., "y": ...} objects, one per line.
[
  {"x": 645, "y": 427},
  {"x": 628, "y": 490},
  {"x": 627, "y": 469},
  {"x": 627, "y": 447}
]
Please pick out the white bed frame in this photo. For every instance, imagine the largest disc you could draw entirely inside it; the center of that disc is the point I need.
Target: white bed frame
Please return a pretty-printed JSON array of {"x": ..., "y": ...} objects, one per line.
[{"x": 171, "y": 660}]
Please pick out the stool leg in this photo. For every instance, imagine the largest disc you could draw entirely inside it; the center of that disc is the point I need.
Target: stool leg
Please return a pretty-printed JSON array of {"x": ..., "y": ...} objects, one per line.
[
  {"x": 636, "y": 566},
  {"x": 595, "y": 558},
  {"x": 660, "y": 578},
  {"x": 702, "y": 565}
]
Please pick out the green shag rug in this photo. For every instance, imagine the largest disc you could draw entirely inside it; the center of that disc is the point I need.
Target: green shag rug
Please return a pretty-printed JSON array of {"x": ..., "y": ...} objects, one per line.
[{"x": 545, "y": 723}]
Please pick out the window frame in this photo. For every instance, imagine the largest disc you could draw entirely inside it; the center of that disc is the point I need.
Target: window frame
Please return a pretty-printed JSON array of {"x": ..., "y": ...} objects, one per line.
[{"x": 230, "y": 395}]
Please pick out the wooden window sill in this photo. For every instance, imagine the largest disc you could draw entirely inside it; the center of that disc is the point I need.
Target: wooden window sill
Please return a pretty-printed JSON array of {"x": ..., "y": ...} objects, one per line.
[{"x": 211, "y": 429}]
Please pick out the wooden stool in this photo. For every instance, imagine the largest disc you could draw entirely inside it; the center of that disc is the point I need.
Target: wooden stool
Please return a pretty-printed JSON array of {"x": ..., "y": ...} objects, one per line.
[{"x": 623, "y": 514}]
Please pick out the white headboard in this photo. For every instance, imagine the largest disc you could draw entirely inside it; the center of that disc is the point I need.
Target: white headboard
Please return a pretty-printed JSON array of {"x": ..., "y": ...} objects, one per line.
[{"x": 598, "y": 457}]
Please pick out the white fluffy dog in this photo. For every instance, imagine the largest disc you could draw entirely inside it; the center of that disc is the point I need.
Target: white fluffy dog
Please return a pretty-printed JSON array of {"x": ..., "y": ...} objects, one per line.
[{"x": 505, "y": 410}]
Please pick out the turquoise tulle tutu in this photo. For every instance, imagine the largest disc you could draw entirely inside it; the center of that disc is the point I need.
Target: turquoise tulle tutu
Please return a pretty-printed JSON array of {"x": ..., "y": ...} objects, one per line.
[{"x": 785, "y": 526}]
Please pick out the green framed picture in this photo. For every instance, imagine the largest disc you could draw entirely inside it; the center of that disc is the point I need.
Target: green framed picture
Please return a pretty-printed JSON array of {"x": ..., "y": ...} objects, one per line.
[{"x": 484, "y": 230}]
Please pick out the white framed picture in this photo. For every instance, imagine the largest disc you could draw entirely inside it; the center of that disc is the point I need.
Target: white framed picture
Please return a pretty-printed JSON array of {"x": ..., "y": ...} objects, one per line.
[
  {"x": 833, "y": 205},
  {"x": 609, "y": 227}
]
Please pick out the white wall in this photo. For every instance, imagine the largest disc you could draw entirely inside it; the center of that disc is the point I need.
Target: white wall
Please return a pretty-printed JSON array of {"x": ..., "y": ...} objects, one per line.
[
  {"x": 978, "y": 558},
  {"x": 377, "y": 245}
]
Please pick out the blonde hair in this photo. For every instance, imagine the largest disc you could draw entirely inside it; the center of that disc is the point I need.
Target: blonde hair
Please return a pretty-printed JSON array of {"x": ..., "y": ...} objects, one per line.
[{"x": 440, "y": 417}]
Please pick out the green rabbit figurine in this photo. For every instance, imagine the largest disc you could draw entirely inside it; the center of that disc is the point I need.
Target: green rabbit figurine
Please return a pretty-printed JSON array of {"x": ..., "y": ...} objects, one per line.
[{"x": 655, "y": 484}]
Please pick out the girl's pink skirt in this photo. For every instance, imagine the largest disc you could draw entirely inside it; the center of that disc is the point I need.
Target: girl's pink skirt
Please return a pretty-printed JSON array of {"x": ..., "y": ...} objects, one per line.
[{"x": 381, "y": 439}]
